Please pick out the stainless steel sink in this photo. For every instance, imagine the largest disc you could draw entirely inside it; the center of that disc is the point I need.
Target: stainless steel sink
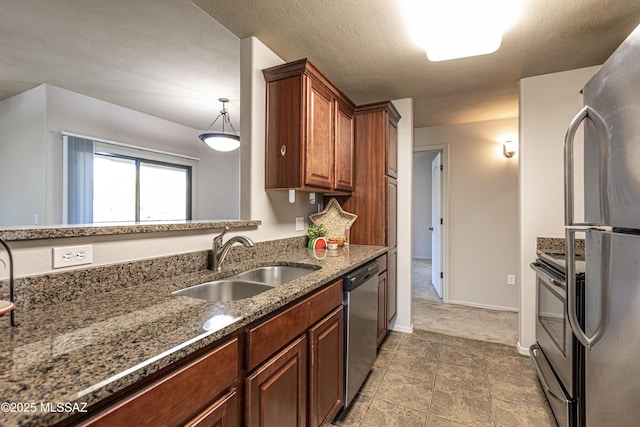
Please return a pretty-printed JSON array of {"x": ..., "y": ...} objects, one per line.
[
  {"x": 224, "y": 290},
  {"x": 275, "y": 275}
]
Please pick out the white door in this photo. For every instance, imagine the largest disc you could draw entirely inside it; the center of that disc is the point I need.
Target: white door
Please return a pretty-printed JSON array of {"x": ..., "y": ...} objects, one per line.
[{"x": 435, "y": 224}]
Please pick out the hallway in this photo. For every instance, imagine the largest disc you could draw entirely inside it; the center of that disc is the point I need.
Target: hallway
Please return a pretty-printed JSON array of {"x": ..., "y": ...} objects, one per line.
[{"x": 431, "y": 314}]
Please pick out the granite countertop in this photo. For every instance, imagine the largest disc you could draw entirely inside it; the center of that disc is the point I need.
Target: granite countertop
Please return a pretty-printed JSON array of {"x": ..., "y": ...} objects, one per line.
[{"x": 84, "y": 350}]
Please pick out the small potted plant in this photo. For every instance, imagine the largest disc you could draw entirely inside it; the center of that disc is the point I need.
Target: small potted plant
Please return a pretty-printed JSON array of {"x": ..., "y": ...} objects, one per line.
[{"x": 316, "y": 233}]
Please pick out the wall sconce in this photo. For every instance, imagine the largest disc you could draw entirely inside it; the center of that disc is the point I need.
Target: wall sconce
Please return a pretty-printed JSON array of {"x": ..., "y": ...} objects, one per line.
[{"x": 508, "y": 149}]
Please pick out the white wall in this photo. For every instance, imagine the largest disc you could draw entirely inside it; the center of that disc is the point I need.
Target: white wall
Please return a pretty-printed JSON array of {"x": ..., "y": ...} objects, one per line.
[
  {"x": 215, "y": 175},
  {"x": 277, "y": 215},
  {"x": 421, "y": 235},
  {"x": 483, "y": 210},
  {"x": 405, "y": 184},
  {"x": 22, "y": 185},
  {"x": 547, "y": 105},
  {"x": 272, "y": 207},
  {"x": 32, "y": 121}
]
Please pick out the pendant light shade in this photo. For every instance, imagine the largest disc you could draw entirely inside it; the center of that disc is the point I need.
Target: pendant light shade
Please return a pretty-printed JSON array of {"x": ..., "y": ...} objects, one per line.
[{"x": 221, "y": 141}]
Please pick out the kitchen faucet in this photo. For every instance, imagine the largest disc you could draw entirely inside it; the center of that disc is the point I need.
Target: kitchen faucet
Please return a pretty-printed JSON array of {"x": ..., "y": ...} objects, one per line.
[
  {"x": 11, "y": 306},
  {"x": 220, "y": 250}
]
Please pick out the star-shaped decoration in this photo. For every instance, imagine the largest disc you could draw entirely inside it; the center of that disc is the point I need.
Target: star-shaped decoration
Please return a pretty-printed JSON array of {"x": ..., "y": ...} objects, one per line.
[{"x": 337, "y": 221}]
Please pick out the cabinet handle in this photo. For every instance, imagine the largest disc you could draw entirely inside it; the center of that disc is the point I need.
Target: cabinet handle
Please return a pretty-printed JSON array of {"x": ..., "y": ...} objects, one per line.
[{"x": 283, "y": 150}]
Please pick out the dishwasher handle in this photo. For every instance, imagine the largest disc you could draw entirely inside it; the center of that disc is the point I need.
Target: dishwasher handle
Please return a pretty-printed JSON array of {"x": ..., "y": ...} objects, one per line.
[{"x": 359, "y": 277}]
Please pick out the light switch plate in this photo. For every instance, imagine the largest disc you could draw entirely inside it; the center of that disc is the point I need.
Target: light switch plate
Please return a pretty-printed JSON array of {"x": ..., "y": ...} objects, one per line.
[
  {"x": 299, "y": 223},
  {"x": 511, "y": 279},
  {"x": 69, "y": 256}
]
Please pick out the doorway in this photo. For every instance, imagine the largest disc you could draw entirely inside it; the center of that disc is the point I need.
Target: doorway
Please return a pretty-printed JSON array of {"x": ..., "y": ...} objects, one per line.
[{"x": 427, "y": 229}]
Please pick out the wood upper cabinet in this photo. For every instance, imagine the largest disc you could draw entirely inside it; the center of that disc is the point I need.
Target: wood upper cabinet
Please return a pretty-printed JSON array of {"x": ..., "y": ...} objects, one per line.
[
  {"x": 392, "y": 147},
  {"x": 344, "y": 148},
  {"x": 375, "y": 130},
  {"x": 320, "y": 139},
  {"x": 309, "y": 131}
]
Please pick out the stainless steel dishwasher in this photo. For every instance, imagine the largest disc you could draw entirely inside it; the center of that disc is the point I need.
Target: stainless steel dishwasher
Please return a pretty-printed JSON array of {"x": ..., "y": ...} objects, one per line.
[{"x": 361, "y": 316}]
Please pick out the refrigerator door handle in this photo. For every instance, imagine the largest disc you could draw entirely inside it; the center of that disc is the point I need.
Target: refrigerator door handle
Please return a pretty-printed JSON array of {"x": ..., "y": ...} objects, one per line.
[
  {"x": 580, "y": 334},
  {"x": 604, "y": 146}
]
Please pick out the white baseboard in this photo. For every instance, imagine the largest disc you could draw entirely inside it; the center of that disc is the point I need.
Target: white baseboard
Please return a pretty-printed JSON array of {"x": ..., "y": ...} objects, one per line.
[
  {"x": 522, "y": 350},
  {"x": 405, "y": 329},
  {"x": 486, "y": 306}
]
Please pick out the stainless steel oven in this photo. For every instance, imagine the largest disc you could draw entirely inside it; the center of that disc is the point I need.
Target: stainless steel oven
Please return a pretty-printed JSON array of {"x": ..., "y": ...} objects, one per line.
[{"x": 557, "y": 354}]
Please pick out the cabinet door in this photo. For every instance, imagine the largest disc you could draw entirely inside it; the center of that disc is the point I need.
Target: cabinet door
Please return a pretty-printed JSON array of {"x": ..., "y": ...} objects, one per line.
[
  {"x": 276, "y": 393},
  {"x": 392, "y": 286},
  {"x": 223, "y": 413},
  {"x": 392, "y": 213},
  {"x": 392, "y": 147},
  {"x": 326, "y": 369},
  {"x": 344, "y": 149},
  {"x": 283, "y": 161},
  {"x": 319, "y": 141},
  {"x": 382, "y": 306}
]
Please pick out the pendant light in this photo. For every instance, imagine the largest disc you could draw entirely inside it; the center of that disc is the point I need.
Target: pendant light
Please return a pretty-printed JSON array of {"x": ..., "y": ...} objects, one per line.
[{"x": 221, "y": 141}]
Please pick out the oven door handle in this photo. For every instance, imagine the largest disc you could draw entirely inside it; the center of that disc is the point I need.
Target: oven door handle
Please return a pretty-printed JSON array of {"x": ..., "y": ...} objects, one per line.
[
  {"x": 547, "y": 278},
  {"x": 533, "y": 350}
]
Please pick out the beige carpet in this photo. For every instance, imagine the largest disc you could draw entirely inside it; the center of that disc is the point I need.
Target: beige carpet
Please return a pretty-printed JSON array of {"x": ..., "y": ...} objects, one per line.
[{"x": 429, "y": 313}]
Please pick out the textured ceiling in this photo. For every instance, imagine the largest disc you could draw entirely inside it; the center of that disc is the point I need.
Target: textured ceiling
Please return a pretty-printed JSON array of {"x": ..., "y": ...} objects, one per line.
[
  {"x": 169, "y": 59},
  {"x": 364, "y": 47},
  {"x": 163, "y": 57}
]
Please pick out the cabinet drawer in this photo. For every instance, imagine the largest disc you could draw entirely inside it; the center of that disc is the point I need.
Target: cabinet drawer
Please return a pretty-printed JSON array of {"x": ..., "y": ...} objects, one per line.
[
  {"x": 270, "y": 336},
  {"x": 177, "y": 397}
]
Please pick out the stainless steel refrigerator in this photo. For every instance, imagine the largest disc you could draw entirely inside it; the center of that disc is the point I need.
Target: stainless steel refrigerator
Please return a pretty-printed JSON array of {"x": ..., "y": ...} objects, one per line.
[{"x": 611, "y": 335}]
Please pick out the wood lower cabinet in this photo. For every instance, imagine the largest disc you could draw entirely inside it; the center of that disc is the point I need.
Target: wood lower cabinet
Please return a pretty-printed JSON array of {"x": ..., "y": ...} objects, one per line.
[
  {"x": 186, "y": 395},
  {"x": 276, "y": 393},
  {"x": 392, "y": 286},
  {"x": 276, "y": 387},
  {"x": 382, "y": 298},
  {"x": 326, "y": 368},
  {"x": 284, "y": 370},
  {"x": 382, "y": 307},
  {"x": 223, "y": 413}
]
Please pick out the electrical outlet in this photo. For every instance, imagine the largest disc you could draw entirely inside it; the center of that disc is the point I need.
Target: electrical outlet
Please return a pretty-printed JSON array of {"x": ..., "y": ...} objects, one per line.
[
  {"x": 511, "y": 279},
  {"x": 68, "y": 256},
  {"x": 299, "y": 223}
]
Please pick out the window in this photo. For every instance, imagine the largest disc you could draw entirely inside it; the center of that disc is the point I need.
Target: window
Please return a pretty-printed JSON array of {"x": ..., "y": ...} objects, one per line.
[
  {"x": 112, "y": 182},
  {"x": 134, "y": 189}
]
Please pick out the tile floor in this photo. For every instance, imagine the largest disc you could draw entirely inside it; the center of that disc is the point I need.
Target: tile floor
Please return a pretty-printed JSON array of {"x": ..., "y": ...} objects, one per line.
[
  {"x": 440, "y": 377},
  {"x": 435, "y": 380}
]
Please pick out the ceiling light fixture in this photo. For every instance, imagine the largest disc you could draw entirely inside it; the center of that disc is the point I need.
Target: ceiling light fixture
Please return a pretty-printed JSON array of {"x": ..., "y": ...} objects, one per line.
[
  {"x": 221, "y": 141},
  {"x": 460, "y": 28}
]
